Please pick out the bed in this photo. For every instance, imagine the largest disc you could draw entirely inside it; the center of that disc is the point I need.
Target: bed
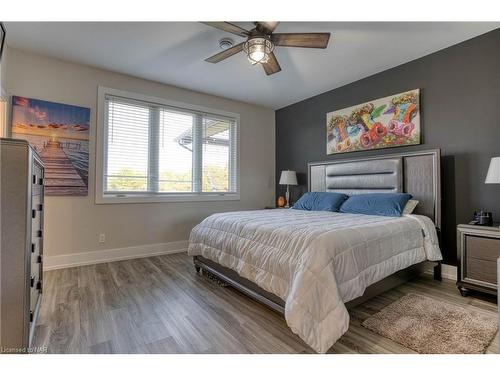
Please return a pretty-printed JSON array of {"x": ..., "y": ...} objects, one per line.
[{"x": 309, "y": 265}]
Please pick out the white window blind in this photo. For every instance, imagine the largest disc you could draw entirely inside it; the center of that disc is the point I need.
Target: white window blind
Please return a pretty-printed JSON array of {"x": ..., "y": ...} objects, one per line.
[{"x": 151, "y": 148}]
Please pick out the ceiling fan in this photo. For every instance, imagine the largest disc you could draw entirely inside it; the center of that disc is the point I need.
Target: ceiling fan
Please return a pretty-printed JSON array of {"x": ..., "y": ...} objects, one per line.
[{"x": 261, "y": 42}]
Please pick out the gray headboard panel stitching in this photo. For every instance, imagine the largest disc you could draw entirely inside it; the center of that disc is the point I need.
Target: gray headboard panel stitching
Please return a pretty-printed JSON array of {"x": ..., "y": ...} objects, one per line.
[
  {"x": 417, "y": 173},
  {"x": 356, "y": 177}
]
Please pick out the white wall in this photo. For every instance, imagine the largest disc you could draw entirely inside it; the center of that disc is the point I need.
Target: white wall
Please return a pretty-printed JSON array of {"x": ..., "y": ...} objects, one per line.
[
  {"x": 2, "y": 76},
  {"x": 3, "y": 72},
  {"x": 3, "y": 94},
  {"x": 72, "y": 224}
]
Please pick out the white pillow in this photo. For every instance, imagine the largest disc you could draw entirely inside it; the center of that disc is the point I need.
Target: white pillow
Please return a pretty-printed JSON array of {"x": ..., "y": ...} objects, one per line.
[{"x": 410, "y": 206}]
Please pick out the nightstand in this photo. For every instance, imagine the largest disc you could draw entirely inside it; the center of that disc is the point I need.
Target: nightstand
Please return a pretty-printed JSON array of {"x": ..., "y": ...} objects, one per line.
[{"x": 478, "y": 251}]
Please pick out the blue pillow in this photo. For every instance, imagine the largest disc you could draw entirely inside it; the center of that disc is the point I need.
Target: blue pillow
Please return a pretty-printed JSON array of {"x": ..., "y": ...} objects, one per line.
[
  {"x": 318, "y": 201},
  {"x": 383, "y": 204}
]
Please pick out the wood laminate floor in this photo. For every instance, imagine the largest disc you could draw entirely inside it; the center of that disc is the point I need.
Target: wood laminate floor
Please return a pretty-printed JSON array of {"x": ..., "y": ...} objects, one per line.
[{"x": 160, "y": 305}]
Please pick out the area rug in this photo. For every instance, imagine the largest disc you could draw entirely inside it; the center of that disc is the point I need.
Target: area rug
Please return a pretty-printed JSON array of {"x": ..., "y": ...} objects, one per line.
[{"x": 430, "y": 326}]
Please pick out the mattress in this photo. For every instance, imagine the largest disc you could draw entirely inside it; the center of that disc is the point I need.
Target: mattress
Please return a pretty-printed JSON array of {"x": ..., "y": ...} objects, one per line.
[{"x": 314, "y": 261}]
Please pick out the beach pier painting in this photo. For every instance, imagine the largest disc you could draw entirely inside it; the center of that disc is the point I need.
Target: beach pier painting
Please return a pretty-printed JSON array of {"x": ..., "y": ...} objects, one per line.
[
  {"x": 61, "y": 177},
  {"x": 60, "y": 135}
]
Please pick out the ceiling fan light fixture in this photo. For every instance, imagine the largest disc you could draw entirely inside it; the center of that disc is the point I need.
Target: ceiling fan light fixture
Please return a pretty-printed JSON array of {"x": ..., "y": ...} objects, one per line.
[
  {"x": 261, "y": 41},
  {"x": 258, "y": 49}
]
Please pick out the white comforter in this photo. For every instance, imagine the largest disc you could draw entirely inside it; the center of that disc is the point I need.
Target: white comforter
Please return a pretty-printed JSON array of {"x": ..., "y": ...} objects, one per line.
[{"x": 315, "y": 261}]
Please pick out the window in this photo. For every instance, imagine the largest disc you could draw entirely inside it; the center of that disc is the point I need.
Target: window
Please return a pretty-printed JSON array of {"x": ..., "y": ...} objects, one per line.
[{"x": 153, "y": 150}]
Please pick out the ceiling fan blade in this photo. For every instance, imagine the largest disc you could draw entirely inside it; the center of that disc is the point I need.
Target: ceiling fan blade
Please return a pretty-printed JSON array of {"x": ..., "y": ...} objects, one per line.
[
  {"x": 225, "y": 54},
  {"x": 306, "y": 40},
  {"x": 266, "y": 26},
  {"x": 271, "y": 66},
  {"x": 229, "y": 27}
]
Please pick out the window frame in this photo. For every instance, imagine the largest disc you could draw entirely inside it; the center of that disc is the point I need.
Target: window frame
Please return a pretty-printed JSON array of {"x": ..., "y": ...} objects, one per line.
[{"x": 101, "y": 197}]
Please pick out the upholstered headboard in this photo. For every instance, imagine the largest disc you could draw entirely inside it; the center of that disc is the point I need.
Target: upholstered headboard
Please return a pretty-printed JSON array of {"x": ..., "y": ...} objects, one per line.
[{"x": 417, "y": 173}]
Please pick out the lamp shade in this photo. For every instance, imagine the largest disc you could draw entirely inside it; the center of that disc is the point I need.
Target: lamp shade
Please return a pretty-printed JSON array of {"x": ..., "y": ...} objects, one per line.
[
  {"x": 288, "y": 178},
  {"x": 493, "y": 176}
]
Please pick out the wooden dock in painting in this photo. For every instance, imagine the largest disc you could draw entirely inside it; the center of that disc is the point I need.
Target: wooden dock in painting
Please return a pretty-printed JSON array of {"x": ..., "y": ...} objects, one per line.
[{"x": 61, "y": 177}]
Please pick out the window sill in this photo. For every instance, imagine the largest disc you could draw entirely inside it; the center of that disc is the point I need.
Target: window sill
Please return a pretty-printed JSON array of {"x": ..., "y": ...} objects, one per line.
[{"x": 162, "y": 198}]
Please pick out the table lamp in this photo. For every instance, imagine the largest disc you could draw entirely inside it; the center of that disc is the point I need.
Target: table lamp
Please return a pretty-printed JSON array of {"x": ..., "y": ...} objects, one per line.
[
  {"x": 288, "y": 178},
  {"x": 493, "y": 176}
]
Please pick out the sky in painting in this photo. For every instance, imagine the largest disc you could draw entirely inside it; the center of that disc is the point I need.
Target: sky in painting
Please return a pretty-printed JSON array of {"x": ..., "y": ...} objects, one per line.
[
  {"x": 39, "y": 117},
  {"x": 41, "y": 112}
]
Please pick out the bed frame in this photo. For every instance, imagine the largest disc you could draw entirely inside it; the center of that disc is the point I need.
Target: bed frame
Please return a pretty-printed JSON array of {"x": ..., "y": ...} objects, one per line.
[{"x": 415, "y": 172}]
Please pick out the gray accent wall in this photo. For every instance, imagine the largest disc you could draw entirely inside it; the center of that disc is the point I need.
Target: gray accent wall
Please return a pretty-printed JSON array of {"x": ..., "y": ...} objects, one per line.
[{"x": 460, "y": 114}]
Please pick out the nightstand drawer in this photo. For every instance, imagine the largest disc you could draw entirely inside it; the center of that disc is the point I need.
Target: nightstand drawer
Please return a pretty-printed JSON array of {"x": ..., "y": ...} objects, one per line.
[
  {"x": 481, "y": 270},
  {"x": 478, "y": 250},
  {"x": 482, "y": 248}
]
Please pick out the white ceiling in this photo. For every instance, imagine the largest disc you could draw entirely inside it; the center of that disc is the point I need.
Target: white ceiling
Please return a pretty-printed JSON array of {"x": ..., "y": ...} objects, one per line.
[{"x": 173, "y": 53}]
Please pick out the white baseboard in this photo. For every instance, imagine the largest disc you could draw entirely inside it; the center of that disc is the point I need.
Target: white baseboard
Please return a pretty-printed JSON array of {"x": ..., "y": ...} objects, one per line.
[
  {"x": 447, "y": 272},
  {"x": 112, "y": 255}
]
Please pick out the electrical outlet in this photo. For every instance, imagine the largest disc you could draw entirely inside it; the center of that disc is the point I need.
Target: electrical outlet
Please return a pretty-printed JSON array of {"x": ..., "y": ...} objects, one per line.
[{"x": 102, "y": 238}]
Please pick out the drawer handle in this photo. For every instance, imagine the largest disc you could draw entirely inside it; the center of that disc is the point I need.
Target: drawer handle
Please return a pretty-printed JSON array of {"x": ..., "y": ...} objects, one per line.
[
  {"x": 31, "y": 316},
  {"x": 39, "y": 285},
  {"x": 40, "y": 207},
  {"x": 32, "y": 281},
  {"x": 39, "y": 259},
  {"x": 34, "y": 178},
  {"x": 39, "y": 234},
  {"x": 33, "y": 247},
  {"x": 33, "y": 214},
  {"x": 40, "y": 181}
]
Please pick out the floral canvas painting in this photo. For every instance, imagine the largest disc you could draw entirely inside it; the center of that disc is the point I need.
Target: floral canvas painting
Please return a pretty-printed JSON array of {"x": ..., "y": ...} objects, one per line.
[
  {"x": 60, "y": 135},
  {"x": 388, "y": 122}
]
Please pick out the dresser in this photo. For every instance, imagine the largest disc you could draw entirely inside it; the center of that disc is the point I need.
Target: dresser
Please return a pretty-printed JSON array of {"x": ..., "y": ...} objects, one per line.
[
  {"x": 21, "y": 245},
  {"x": 478, "y": 252}
]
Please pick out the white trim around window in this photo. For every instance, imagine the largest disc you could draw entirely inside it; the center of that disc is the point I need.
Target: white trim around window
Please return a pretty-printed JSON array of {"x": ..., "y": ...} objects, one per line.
[{"x": 103, "y": 196}]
